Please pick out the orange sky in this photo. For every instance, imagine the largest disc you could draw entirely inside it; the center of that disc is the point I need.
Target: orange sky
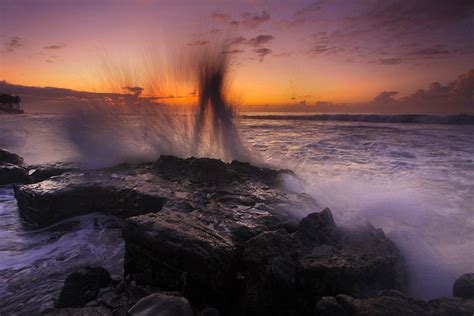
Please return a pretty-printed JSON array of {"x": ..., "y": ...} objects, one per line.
[{"x": 283, "y": 53}]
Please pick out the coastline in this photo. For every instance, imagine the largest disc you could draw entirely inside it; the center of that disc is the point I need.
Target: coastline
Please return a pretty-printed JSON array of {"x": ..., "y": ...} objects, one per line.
[{"x": 208, "y": 231}]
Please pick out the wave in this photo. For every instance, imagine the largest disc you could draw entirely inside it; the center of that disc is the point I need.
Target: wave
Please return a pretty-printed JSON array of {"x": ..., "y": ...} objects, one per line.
[{"x": 459, "y": 119}]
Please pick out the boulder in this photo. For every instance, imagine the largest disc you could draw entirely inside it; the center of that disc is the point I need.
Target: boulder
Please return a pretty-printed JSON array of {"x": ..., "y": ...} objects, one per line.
[
  {"x": 318, "y": 228},
  {"x": 10, "y": 174},
  {"x": 40, "y": 173},
  {"x": 82, "y": 286},
  {"x": 177, "y": 252},
  {"x": 47, "y": 202},
  {"x": 464, "y": 286},
  {"x": 344, "y": 305},
  {"x": 162, "y": 304},
  {"x": 9, "y": 157},
  {"x": 271, "y": 272},
  {"x": 358, "y": 262}
]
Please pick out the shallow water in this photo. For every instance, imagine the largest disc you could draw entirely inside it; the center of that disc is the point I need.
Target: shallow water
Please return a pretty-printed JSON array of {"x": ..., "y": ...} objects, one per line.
[
  {"x": 34, "y": 263},
  {"x": 416, "y": 181}
]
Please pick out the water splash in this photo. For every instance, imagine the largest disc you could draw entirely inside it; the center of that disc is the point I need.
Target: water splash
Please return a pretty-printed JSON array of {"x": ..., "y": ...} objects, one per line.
[{"x": 115, "y": 128}]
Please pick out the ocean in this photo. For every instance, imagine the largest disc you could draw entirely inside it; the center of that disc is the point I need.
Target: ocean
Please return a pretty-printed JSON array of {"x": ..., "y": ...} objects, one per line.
[{"x": 411, "y": 176}]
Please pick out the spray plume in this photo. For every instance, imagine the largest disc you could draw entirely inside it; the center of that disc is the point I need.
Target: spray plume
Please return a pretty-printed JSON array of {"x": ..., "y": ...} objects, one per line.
[{"x": 140, "y": 127}]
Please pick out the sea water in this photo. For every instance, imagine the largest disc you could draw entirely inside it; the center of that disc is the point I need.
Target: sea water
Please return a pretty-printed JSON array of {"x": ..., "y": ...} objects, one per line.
[{"x": 415, "y": 181}]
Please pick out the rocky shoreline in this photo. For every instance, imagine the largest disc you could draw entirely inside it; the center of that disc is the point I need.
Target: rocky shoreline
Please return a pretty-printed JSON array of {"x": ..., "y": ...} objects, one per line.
[{"x": 204, "y": 237}]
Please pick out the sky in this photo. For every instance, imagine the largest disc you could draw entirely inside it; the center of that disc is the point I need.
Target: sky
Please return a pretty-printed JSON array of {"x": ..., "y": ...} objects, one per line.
[{"x": 283, "y": 52}]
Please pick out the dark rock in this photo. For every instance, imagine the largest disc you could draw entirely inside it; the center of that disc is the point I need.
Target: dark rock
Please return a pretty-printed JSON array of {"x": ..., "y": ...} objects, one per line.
[
  {"x": 50, "y": 201},
  {"x": 9, "y": 157},
  {"x": 178, "y": 252},
  {"x": 271, "y": 273},
  {"x": 361, "y": 263},
  {"x": 396, "y": 305},
  {"x": 10, "y": 174},
  {"x": 160, "y": 304},
  {"x": 43, "y": 172},
  {"x": 464, "y": 286},
  {"x": 318, "y": 228},
  {"x": 211, "y": 171},
  {"x": 210, "y": 311},
  {"x": 221, "y": 234},
  {"x": 392, "y": 293},
  {"x": 329, "y": 306},
  {"x": 82, "y": 311},
  {"x": 82, "y": 286}
]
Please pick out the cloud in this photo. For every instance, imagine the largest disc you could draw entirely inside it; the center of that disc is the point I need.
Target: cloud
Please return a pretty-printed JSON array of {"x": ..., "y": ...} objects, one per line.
[
  {"x": 12, "y": 44},
  {"x": 220, "y": 16},
  {"x": 234, "y": 51},
  {"x": 256, "y": 43},
  {"x": 247, "y": 18},
  {"x": 55, "y": 47},
  {"x": 260, "y": 40},
  {"x": 390, "y": 61},
  {"x": 309, "y": 12},
  {"x": 198, "y": 43},
  {"x": 253, "y": 42},
  {"x": 452, "y": 98},
  {"x": 254, "y": 19},
  {"x": 408, "y": 32},
  {"x": 262, "y": 52},
  {"x": 134, "y": 90},
  {"x": 431, "y": 52}
]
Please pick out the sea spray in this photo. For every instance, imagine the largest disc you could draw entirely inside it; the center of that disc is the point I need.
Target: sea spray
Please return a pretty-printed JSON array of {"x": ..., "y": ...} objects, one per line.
[{"x": 115, "y": 128}]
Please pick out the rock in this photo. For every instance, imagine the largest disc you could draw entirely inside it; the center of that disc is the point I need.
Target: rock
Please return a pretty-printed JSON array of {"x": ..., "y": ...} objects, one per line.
[
  {"x": 209, "y": 311},
  {"x": 221, "y": 234},
  {"x": 318, "y": 228},
  {"x": 43, "y": 172},
  {"x": 464, "y": 286},
  {"x": 47, "y": 202},
  {"x": 271, "y": 273},
  {"x": 82, "y": 286},
  {"x": 393, "y": 305},
  {"x": 361, "y": 263},
  {"x": 177, "y": 252},
  {"x": 10, "y": 174},
  {"x": 9, "y": 157},
  {"x": 160, "y": 304},
  {"x": 329, "y": 306},
  {"x": 83, "y": 311}
]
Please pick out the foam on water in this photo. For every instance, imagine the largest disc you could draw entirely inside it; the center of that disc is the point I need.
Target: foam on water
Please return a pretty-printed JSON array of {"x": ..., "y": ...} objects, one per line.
[
  {"x": 416, "y": 182},
  {"x": 34, "y": 263}
]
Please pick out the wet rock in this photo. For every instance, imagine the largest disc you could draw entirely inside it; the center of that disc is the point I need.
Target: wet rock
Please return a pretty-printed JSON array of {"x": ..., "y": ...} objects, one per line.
[
  {"x": 42, "y": 172},
  {"x": 10, "y": 174},
  {"x": 464, "y": 286},
  {"x": 180, "y": 253},
  {"x": 361, "y": 263},
  {"x": 393, "y": 305},
  {"x": 9, "y": 157},
  {"x": 83, "y": 311},
  {"x": 271, "y": 273},
  {"x": 52, "y": 200},
  {"x": 318, "y": 228},
  {"x": 329, "y": 306},
  {"x": 161, "y": 304},
  {"x": 209, "y": 311},
  {"x": 82, "y": 286},
  {"x": 223, "y": 235}
]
